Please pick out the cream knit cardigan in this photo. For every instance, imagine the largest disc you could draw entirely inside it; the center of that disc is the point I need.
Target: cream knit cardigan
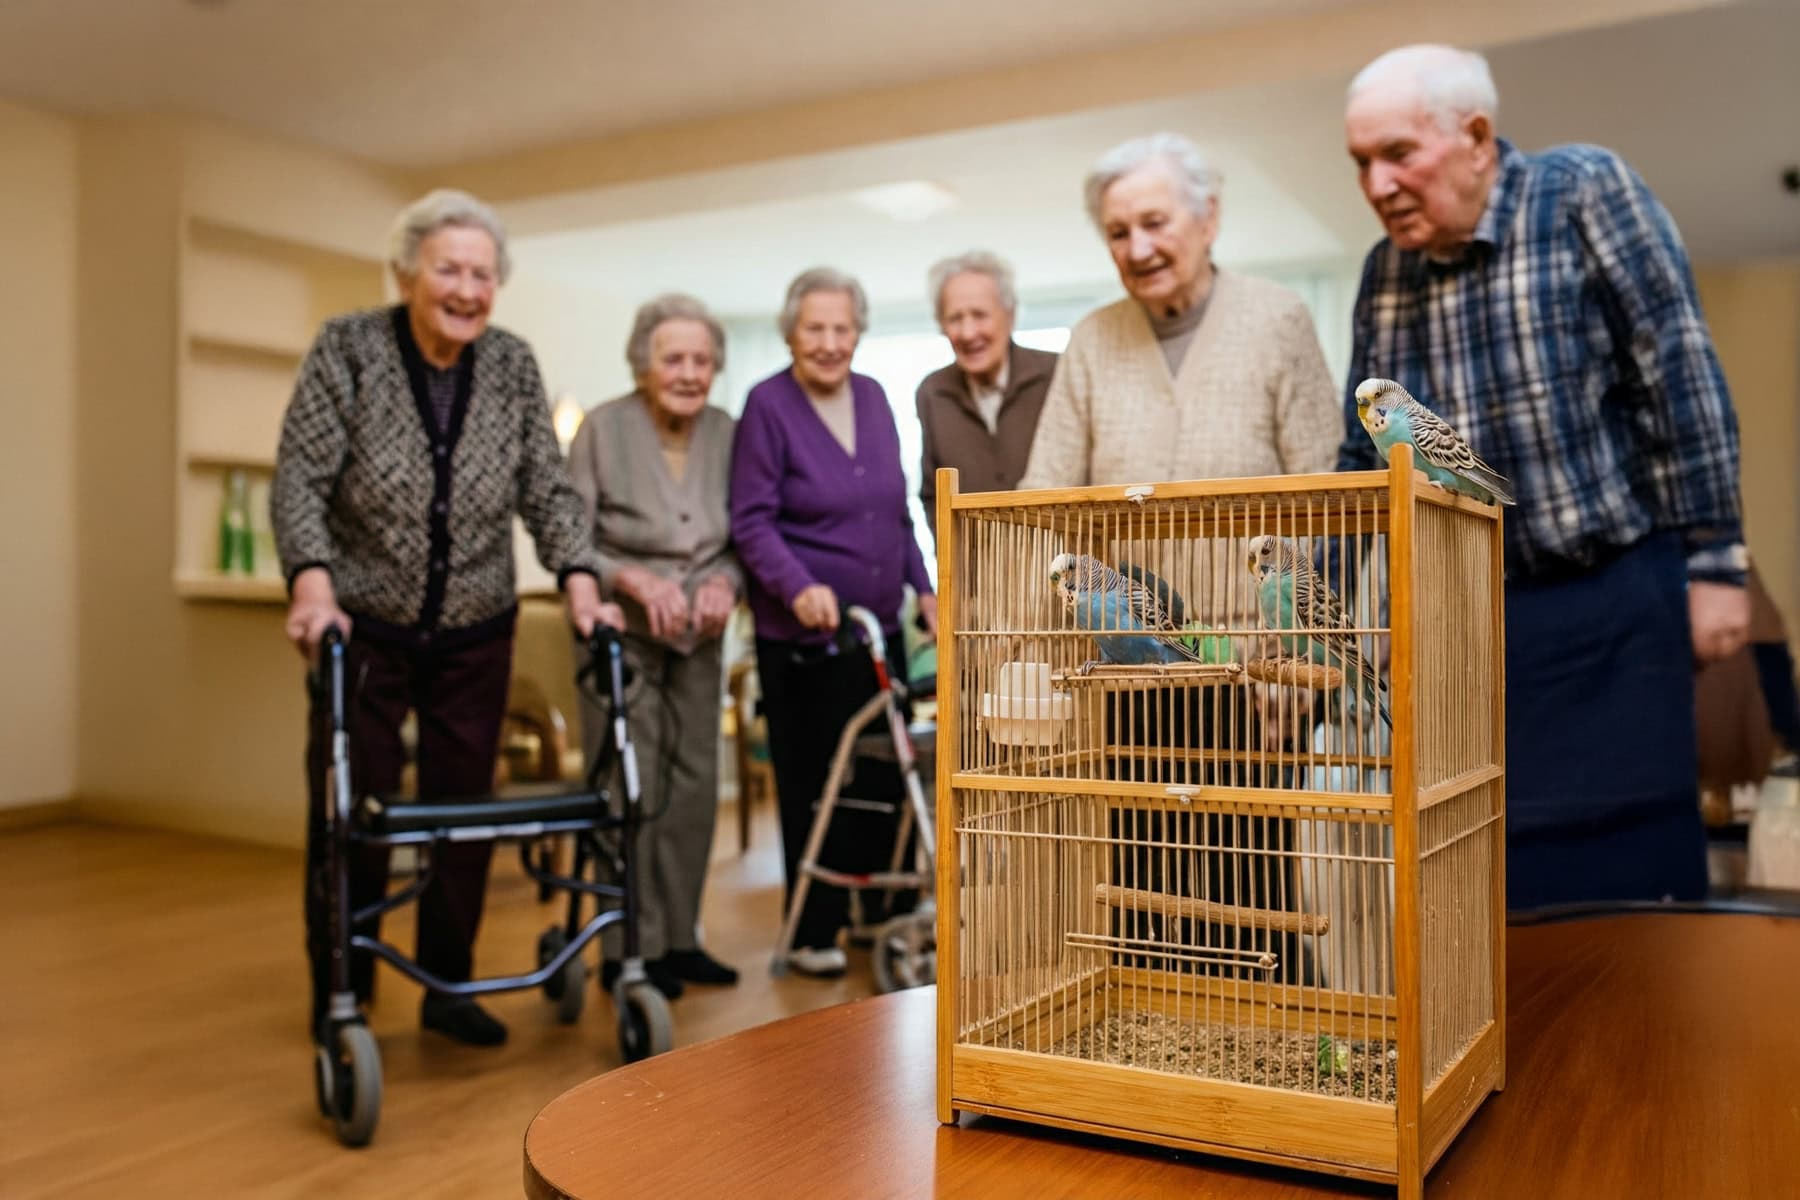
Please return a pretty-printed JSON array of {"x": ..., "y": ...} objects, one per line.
[{"x": 1252, "y": 397}]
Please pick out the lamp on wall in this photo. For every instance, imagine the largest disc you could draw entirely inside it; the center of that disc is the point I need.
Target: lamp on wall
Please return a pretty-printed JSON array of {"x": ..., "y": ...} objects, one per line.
[{"x": 566, "y": 415}]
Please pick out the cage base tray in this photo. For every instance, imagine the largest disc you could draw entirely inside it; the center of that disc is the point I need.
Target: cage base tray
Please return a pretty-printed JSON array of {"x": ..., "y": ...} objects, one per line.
[{"x": 1307, "y": 1063}]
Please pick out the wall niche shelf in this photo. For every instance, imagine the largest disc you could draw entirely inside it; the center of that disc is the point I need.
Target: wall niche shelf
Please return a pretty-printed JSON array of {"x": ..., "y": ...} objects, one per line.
[
  {"x": 203, "y": 346},
  {"x": 250, "y": 304},
  {"x": 202, "y": 461},
  {"x": 245, "y": 589}
]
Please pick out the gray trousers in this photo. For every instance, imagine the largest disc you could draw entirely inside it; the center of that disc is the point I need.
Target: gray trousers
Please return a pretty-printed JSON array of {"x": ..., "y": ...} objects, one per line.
[{"x": 673, "y": 713}]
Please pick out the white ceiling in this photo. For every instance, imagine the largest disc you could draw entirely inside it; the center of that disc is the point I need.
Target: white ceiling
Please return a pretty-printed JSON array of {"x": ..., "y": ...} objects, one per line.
[
  {"x": 416, "y": 83},
  {"x": 1704, "y": 104}
]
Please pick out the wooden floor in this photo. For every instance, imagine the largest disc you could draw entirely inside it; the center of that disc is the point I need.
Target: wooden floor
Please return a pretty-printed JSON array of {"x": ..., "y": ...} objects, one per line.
[{"x": 152, "y": 1024}]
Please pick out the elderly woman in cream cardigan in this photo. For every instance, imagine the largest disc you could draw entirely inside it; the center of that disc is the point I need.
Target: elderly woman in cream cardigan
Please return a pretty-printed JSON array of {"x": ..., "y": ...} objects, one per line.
[{"x": 1198, "y": 373}]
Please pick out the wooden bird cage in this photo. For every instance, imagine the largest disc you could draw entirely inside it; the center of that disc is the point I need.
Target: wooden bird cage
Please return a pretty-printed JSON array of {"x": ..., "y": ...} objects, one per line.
[{"x": 1217, "y": 902}]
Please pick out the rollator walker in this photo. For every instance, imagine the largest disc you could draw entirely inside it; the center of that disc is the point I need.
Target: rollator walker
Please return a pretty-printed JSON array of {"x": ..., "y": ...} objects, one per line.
[
  {"x": 903, "y": 951},
  {"x": 347, "y": 1062}
]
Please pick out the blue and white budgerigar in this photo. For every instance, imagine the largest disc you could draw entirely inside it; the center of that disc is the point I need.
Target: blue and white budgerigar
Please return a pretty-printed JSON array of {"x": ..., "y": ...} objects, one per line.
[
  {"x": 1291, "y": 596},
  {"x": 1392, "y": 417},
  {"x": 1102, "y": 601}
]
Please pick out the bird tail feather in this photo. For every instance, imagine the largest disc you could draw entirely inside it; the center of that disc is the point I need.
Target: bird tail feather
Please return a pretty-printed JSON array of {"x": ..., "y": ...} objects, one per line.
[{"x": 1493, "y": 481}]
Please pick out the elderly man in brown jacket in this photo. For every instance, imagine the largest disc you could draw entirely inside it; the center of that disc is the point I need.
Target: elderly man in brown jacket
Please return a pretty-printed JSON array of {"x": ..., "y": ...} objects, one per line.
[{"x": 980, "y": 413}]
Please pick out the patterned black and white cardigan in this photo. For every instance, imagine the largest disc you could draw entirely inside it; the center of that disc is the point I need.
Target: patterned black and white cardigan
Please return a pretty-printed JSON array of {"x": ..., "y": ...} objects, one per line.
[{"x": 415, "y": 524}]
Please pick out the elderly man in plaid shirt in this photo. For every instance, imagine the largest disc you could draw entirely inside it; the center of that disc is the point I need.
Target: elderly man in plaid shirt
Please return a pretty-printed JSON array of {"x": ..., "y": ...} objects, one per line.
[{"x": 1543, "y": 305}]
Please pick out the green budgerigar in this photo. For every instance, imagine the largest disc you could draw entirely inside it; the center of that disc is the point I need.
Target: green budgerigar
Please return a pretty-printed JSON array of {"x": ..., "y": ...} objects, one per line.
[
  {"x": 1290, "y": 596},
  {"x": 1392, "y": 416}
]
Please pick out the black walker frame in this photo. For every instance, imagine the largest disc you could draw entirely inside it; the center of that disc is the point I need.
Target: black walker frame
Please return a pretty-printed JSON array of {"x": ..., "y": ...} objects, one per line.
[{"x": 347, "y": 1066}]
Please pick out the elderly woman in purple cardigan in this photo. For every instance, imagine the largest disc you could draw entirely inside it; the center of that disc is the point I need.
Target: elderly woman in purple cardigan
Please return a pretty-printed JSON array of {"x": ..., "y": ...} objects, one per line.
[{"x": 819, "y": 516}]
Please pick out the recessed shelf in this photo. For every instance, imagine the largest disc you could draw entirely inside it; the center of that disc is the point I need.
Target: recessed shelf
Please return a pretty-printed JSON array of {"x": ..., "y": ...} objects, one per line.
[
  {"x": 210, "y": 345},
  {"x": 231, "y": 462},
  {"x": 227, "y": 236},
  {"x": 251, "y": 303},
  {"x": 245, "y": 589}
]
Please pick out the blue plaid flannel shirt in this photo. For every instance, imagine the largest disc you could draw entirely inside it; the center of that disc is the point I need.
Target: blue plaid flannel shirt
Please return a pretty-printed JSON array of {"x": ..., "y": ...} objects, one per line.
[{"x": 1567, "y": 345}]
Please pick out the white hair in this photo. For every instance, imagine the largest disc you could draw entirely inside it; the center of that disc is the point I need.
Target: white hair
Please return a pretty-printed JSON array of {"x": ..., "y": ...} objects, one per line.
[
  {"x": 670, "y": 306},
  {"x": 1451, "y": 83},
  {"x": 1200, "y": 180},
  {"x": 975, "y": 262},
  {"x": 822, "y": 279},
  {"x": 430, "y": 213}
]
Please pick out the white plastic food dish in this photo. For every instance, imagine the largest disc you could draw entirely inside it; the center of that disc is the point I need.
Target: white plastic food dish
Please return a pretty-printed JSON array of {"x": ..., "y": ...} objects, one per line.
[{"x": 1024, "y": 710}]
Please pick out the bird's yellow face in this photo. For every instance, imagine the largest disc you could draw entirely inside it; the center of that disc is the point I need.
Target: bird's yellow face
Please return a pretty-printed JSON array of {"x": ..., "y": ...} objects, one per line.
[
  {"x": 1368, "y": 411},
  {"x": 1261, "y": 555}
]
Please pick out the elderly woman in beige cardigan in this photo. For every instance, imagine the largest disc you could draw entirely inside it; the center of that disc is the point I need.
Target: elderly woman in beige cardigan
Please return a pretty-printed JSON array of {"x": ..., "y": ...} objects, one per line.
[
  {"x": 1199, "y": 373},
  {"x": 653, "y": 469}
]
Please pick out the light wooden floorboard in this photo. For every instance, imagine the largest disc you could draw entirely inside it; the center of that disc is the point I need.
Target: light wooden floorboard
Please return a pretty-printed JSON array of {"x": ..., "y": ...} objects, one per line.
[{"x": 153, "y": 1010}]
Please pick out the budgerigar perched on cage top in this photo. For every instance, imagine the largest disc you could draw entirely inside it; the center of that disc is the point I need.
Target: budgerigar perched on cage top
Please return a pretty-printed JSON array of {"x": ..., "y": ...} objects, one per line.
[
  {"x": 1392, "y": 416},
  {"x": 1291, "y": 596},
  {"x": 1102, "y": 600}
]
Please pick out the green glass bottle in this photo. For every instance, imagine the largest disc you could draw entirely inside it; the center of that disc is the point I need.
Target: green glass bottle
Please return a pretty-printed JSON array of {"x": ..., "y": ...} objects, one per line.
[{"x": 237, "y": 553}]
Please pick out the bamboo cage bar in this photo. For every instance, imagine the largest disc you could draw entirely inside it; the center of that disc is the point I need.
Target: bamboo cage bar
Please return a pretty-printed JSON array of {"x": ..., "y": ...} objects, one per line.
[{"x": 1221, "y": 863}]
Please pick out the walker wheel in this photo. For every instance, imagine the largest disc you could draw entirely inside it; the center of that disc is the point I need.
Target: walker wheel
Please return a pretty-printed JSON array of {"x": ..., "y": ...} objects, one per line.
[
  {"x": 347, "y": 1083},
  {"x": 568, "y": 987},
  {"x": 905, "y": 952},
  {"x": 646, "y": 1026}
]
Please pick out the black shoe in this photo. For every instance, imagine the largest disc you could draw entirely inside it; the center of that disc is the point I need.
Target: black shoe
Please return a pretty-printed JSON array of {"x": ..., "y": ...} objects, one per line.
[
  {"x": 663, "y": 979},
  {"x": 697, "y": 966},
  {"x": 461, "y": 1019}
]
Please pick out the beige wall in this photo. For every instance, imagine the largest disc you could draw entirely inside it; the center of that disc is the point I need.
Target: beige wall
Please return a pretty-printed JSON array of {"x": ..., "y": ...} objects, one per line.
[
  {"x": 37, "y": 457},
  {"x": 191, "y": 712},
  {"x": 577, "y": 332},
  {"x": 1754, "y": 311}
]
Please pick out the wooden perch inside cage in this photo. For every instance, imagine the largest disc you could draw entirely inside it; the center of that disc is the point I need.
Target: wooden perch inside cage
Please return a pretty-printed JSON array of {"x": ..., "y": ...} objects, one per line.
[
  {"x": 1210, "y": 911},
  {"x": 1294, "y": 672},
  {"x": 1188, "y": 674},
  {"x": 1174, "y": 952}
]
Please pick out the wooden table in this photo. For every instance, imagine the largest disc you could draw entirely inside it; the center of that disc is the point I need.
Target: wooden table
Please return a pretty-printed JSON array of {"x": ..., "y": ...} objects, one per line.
[{"x": 1653, "y": 1055}]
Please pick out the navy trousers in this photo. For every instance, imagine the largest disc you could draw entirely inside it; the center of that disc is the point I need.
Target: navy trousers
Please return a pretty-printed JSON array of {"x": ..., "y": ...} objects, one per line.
[{"x": 1602, "y": 760}]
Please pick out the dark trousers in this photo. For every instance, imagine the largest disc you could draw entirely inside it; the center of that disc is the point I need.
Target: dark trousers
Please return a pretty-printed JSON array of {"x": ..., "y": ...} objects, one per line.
[
  {"x": 459, "y": 696},
  {"x": 1602, "y": 790},
  {"x": 807, "y": 704}
]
